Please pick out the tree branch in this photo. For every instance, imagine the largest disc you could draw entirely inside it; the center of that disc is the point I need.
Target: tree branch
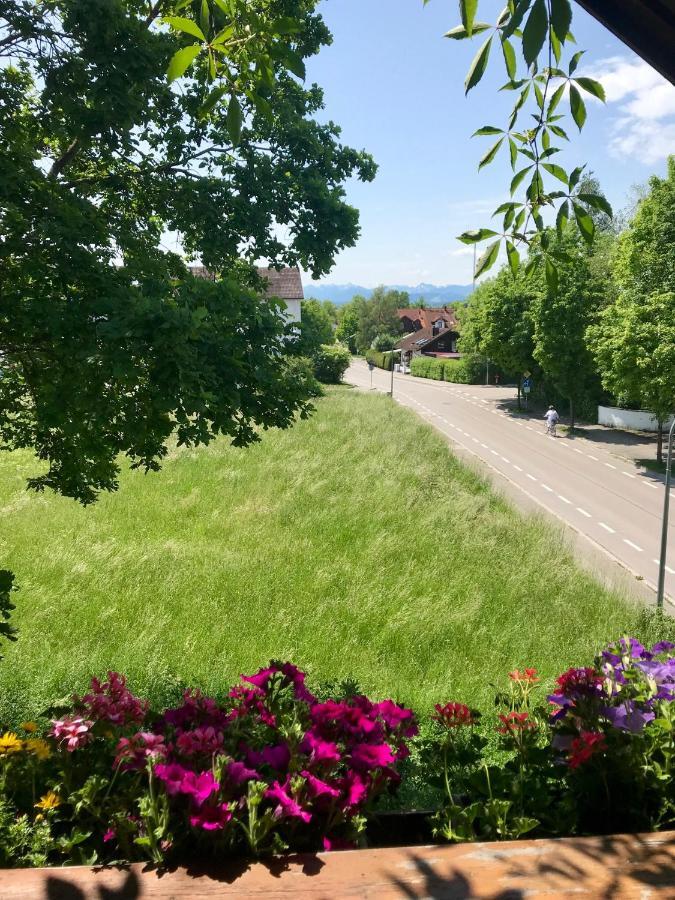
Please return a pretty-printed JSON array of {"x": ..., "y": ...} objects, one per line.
[{"x": 60, "y": 164}]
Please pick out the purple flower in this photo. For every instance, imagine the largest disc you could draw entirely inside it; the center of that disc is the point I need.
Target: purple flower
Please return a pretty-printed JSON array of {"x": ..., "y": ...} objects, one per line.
[
  {"x": 292, "y": 675},
  {"x": 211, "y": 818},
  {"x": 372, "y": 756},
  {"x": 238, "y": 773},
  {"x": 355, "y": 788},
  {"x": 199, "y": 787},
  {"x": 172, "y": 775},
  {"x": 662, "y": 647},
  {"x": 318, "y": 750},
  {"x": 628, "y": 717},
  {"x": 276, "y": 757},
  {"x": 396, "y": 717},
  {"x": 318, "y": 788}
]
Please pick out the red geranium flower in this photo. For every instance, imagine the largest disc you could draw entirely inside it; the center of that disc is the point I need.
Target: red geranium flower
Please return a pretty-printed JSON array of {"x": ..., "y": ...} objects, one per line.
[
  {"x": 515, "y": 722},
  {"x": 453, "y": 715},
  {"x": 585, "y": 746},
  {"x": 529, "y": 676}
]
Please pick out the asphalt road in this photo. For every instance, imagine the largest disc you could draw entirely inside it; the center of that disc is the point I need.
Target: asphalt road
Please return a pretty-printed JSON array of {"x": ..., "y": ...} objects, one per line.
[{"x": 603, "y": 497}]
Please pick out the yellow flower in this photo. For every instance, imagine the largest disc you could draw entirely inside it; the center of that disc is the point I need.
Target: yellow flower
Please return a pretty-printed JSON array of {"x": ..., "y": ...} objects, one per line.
[
  {"x": 29, "y": 726},
  {"x": 49, "y": 801},
  {"x": 39, "y": 748},
  {"x": 10, "y": 743}
]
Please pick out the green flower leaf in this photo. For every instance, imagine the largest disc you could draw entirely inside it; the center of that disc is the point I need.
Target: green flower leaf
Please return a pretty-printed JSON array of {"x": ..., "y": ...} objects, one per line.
[
  {"x": 488, "y": 259},
  {"x": 592, "y": 87},
  {"x": 474, "y": 237},
  {"x": 478, "y": 66},
  {"x": 557, "y": 172},
  {"x": 578, "y": 107},
  {"x": 585, "y": 223},
  {"x": 509, "y": 59},
  {"x": 561, "y": 18},
  {"x": 178, "y": 23},
  {"x": 490, "y": 155},
  {"x": 235, "y": 119},
  {"x": 182, "y": 60},
  {"x": 534, "y": 33},
  {"x": 517, "y": 178},
  {"x": 467, "y": 12}
]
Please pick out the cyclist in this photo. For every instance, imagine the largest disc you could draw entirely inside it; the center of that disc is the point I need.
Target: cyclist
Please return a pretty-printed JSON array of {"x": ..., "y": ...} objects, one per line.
[{"x": 552, "y": 418}]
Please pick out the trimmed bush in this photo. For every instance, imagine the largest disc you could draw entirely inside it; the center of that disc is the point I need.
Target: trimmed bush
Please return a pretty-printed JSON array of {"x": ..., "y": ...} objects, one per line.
[
  {"x": 469, "y": 369},
  {"x": 427, "y": 367},
  {"x": 301, "y": 368},
  {"x": 381, "y": 360},
  {"x": 331, "y": 362}
]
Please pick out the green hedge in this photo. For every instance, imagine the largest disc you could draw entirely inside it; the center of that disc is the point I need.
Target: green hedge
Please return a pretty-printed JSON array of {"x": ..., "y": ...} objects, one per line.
[
  {"x": 381, "y": 360},
  {"x": 467, "y": 370}
]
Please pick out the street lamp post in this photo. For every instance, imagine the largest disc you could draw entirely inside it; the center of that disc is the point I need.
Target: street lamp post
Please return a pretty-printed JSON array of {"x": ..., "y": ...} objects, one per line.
[
  {"x": 664, "y": 528},
  {"x": 396, "y": 350}
]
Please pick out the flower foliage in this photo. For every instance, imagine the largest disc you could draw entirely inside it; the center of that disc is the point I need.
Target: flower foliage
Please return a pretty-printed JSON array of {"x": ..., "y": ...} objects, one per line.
[{"x": 272, "y": 766}]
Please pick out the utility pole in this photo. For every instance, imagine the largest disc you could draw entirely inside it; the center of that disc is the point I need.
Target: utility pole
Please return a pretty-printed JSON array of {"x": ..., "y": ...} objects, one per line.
[{"x": 664, "y": 527}]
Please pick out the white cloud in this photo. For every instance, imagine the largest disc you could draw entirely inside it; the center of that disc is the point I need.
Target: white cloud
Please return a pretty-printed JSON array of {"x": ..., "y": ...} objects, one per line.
[
  {"x": 645, "y": 128},
  {"x": 461, "y": 251}
]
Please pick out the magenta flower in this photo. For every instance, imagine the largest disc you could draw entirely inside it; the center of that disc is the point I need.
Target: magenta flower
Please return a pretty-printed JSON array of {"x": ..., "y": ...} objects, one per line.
[
  {"x": 73, "y": 730},
  {"x": 172, "y": 775},
  {"x": 276, "y": 757},
  {"x": 396, "y": 717},
  {"x": 111, "y": 701},
  {"x": 318, "y": 750},
  {"x": 109, "y": 835},
  {"x": 133, "y": 752},
  {"x": 238, "y": 773},
  {"x": 372, "y": 756},
  {"x": 292, "y": 675},
  {"x": 287, "y": 807},
  {"x": 318, "y": 788},
  {"x": 205, "y": 741},
  {"x": 199, "y": 787},
  {"x": 355, "y": 788},
  {"x": 337, "y": 843},
  {"x": 211, "y": 818},
  {"x": 197, "y": 710}
]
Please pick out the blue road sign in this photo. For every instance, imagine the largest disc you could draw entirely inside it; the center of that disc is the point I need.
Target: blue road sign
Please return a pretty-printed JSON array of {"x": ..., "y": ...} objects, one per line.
[{"x": 526, "y": 383}]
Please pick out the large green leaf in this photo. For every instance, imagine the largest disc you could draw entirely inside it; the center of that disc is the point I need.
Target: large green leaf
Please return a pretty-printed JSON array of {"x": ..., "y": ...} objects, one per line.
[
  {"x": 513, "y": 152},
  {"x": 597, "y": 201},
  {"x": 178, "y": 23},
  {"x": 517, "y": 178},
  {"x": 509, "y": 59},
  {"x": 521, "y": 7},
  {"x": 513, "y": 257},
  {"x": 575, "y": 176},
  {"x": 534, "y": 33},
  {"x": 555, "y": 99},
  {"x": 223, "y": 36},
  {"x": 488, "y": 259},
  {"x": 213, "y": 98},
  {"x": 181, "y": 61},
  {"x": 487, "y": 129},
  {"x": 562, "y": 217},
  {"x": 459, "y": 32},
  {"x": 574, "y": 62},
  {"x": 490, "y": 155},
  {"x": 578, "y": 107},
  {"x": 204, "y": 16},
  {"x": 234, "y": 119},
  {"x": 467, "y": 11},
  {"x": 561, "y": 18},
  {"x": 585, "y": 223},
  {"x": 592, "y": 86},
  {"x": 557, "y": 172},
  {"x": 295, "y": 63},
  {"x": 474, "y": 237},
  {"x": 478, "y": 66}
]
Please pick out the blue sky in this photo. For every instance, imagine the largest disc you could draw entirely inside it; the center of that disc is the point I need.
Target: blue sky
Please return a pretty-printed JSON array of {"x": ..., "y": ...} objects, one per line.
[{"x": 395, "y": 86}]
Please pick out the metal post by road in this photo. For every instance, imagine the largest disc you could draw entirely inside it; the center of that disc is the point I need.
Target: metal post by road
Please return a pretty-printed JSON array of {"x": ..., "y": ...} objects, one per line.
[
  {"x": 391, "y": 392},
  {"x": 664, "y": 531}
]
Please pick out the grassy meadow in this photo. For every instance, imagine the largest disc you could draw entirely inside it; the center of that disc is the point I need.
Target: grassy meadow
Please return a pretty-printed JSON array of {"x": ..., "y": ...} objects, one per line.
[{"x": 354, "y": 544}]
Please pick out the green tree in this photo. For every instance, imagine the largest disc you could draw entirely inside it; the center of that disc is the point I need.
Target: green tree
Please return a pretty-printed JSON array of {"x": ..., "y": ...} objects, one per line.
[
  {"x": 498, "y": 322},
  {"x": 348, "y": 323},
  {"x": 378, "y": 315},
  {"x": 634, "y": 346},
  {"x": 561, "y": 317},
  {"x": 108, "y": 344},
  {"x": 316, "y": 328}
]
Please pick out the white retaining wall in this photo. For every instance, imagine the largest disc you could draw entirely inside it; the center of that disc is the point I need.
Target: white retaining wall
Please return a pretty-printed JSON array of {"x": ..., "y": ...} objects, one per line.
[{"x": 631, "y": 419}]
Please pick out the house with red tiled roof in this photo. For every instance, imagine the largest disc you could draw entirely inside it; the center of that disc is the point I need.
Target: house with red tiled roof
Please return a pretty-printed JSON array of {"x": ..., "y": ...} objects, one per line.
[
  {"x": 429, "y": 332},
  {"x": 281, "y": 284}
]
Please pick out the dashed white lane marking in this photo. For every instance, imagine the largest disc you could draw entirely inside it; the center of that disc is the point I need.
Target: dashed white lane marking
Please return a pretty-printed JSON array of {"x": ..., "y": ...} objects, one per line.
[
  {"x": 610, "y": 466},
  {"x": 494, "y": 452},
  {"x": 577, "y": 450},
  {"x": 485, "y": 446},
  {"x": 631, "y": 544},
  {"x": 590, "y": 456},
  {"x": 475, "y": 440},
  {"x": 547, "y": 488},
  {"x": 606, "y": 527},
  {"x": 564, "y": 499},
  {"x": 531, "y": 477},
  {"x": 649, "y": 484},
  {"x": 584, "y": 513},
  {"x": 506, "y": 460},
  {"x": 628, "y": 475},
  {"x": 667, "y": 568},
  {"x": 517, "y": 468}
]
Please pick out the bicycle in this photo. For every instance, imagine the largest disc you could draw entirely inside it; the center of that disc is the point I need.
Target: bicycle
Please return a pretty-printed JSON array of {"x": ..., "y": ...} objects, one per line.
[{"x": 550, "y": 429}]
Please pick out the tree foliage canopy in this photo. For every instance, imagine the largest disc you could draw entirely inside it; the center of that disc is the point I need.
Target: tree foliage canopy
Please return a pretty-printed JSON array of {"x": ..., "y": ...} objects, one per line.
[{"x": 122, "y": 121}]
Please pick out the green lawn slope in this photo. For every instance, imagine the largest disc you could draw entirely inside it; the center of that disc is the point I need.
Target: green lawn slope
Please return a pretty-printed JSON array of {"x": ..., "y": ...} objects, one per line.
[{"x": 354, "y": 544}]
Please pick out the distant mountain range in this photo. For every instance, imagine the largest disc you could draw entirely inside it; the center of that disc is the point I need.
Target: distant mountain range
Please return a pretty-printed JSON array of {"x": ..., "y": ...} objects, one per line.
[{"x": 432, "y": 294}]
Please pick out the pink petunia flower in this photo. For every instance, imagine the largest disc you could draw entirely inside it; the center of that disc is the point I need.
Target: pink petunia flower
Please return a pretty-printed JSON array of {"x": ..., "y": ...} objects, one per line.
[
  {"x": 276, "y": 757},
  {"x": 75, "y": 731},
  {"x": 318, "y": 750},
  {"x": 133, "y": 752},
  {"x": 372, "y": 756},
  {"x": 318, "y": 788},
  {"x": 111, "y": 701},
  {"x": 206, "y": 741},
  {"x": 211, "y": 818}
]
